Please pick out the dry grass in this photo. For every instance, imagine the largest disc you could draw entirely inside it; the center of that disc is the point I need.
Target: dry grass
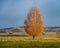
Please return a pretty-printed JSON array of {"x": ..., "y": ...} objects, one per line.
[{"x": 28, "y": 38}]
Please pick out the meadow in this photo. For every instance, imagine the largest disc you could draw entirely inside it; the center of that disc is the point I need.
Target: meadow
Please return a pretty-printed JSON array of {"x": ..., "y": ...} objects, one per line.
[{"x": 28, "y": 42}]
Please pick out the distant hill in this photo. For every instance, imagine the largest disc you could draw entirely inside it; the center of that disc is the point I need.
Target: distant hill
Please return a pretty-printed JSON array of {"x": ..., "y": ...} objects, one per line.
[
  {"x": 11, "y": 28},
  {"x": 6, "y": 28},
  {"x": 20, "y": 28}
]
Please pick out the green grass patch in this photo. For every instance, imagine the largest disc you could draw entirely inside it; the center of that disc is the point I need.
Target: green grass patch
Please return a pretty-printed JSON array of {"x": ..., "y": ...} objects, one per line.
[{"x": 30, "y": 44}]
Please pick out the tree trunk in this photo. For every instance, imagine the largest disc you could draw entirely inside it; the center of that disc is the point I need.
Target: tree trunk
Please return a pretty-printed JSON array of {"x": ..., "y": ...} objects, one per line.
[{"x": 33, "y": 36}]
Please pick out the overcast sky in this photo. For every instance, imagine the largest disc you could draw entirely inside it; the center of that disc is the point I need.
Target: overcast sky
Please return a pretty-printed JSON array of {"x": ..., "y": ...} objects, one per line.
[{"x": 14, "y": 12}]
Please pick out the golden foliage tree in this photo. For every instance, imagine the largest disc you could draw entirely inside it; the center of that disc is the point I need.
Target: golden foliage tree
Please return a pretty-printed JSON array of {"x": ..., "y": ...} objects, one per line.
[{"x": 33, "y": 23}]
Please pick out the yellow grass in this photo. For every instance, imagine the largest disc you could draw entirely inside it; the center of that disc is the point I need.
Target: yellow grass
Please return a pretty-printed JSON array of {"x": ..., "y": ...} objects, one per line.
[{"x": 28, "y": 38}]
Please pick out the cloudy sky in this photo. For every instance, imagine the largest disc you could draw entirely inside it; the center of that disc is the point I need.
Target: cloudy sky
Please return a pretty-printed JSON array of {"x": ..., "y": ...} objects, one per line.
[{"x": 14, "y": 12}]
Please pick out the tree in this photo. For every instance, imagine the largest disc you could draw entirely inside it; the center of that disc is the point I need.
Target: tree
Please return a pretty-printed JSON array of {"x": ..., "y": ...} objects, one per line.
[{"x": 33, "y": 23}]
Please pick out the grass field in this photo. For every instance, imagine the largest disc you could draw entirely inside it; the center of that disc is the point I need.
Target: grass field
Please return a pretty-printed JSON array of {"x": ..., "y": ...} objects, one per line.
[{"x": 28, "y": 42}]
